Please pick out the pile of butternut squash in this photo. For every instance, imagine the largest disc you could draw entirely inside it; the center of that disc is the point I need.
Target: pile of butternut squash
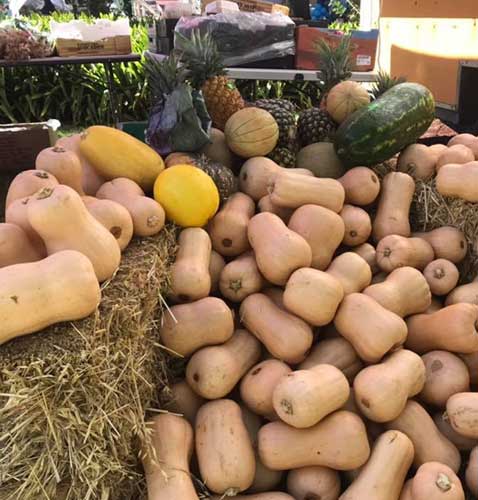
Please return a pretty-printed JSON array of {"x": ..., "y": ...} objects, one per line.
[
  {"x": 329, "y": 352},
  {"x": 65, "y": 228}
]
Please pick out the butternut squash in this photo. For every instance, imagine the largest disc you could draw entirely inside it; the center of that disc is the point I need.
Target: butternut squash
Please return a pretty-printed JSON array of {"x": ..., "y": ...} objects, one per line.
[
  {"x": 382, "y": 390},
  {"x": 447, "y": 242},
  {"x": 16, "y": 247},
  {"x": 241, "y": 278},
  {"x": 285, "y": 336},
  {"x": 442, "y": 276},
  {"x": 393, "y": 211},
  {"x": 452, "y": 328},
  {"x": 418, "y": 161},
  {"x": 62, "y": 287},
  {"x": 436, "y": 481},
  {"x": 223, "y": 447},
  {"x": 265, "y": 205},
  {"x": 190, "y": 278},
  {"x": 271, "y": 495},
  {"x": 313, "y": 295},
  {"x": 257, "y": 386},
  {"x": 369, "y": 254},
  {"x": 437, "y": 150},
  {"x": 462, "y": 411},
  {"x": 446, "y": 374},
  {"x": 457, "y": 154},
  {"x": 352, "y": 271},
  {"x": 256, "y": 175},
  {"x": 216, "y": 265},
  {"x": 463, "y": 294},
  {"x": 443, "y": 423},
  {"x": 337, "y": 352},
  {"x": 185, "y": 401},
  {"x": 278, "y": 250},
  {"x": 27, "y": 183},
  {"x": 188, "y": 327},
  {"x": 63, "y": 164},
  {"x": 405, "y": 291},
  {"x": 228, "y": 228},
  {"x": 316, "y": 482},
  {"x": 304, "y": 397},
  {"x": 361, "y": 186},
  {"x": 382, "y": 477},
  {"x": 471, "y": 361},
  {"x": 372, "y": 330},
  {"x": 430, "y": 444},
  {"x": 339, "y": 441},
  {"x": 214, "y": 371},
  {"x": 113, "y": 216},
  {"x": 459, "y": 181},
  {"x": 397, "y": 251},
  {"x": 468, "y": 140},
  {"x": 147, "y": 214},
  {"x": 291, "y": 190},
  {"x": 322, "y": 229},
  {"x": 61, "y": 219},
  {"x": 358, "y": 225},
  {"x": 91, "y": 180},
  {"x": 166, "y": 466},
  {"x": 471, "y": 474},
  {"x": 17, "y": 214}
]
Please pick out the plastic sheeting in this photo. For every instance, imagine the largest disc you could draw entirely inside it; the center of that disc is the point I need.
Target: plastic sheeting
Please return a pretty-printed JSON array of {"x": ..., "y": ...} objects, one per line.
[{"x": 16, "y": 5}]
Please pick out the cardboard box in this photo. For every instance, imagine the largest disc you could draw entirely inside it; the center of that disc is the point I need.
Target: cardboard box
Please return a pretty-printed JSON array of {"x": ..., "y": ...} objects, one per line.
[
  {"x": 364, "y": 47},
  {"x": 116, "y": 45},
  {"x": 261, "y": 6}
]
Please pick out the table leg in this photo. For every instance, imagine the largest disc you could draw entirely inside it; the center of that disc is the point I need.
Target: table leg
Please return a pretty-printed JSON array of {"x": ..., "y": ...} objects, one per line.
[{"x": 113, "y": 105}]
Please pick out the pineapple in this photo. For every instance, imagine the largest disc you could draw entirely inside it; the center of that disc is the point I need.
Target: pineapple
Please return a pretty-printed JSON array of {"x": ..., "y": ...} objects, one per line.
[
  {"x": 284, "y": 113},
  {"x": 315, "y": 125},
  {"x": 385, "y": 82},
  {"x": 207, "y": 73},
  {"x": 283, "y": 157}
]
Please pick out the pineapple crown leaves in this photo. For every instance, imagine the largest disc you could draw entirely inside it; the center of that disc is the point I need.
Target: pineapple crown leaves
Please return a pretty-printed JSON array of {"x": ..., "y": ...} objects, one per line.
[
  {"x": 201, "y": 57},
  {"x": 335, "y": 62},
  {"x": 385, "y": 82},
  {"x": 164, "y": 76}
]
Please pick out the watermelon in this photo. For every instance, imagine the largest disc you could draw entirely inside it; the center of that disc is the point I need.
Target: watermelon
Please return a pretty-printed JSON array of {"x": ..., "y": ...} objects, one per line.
[{"x": 382, "y": 129}]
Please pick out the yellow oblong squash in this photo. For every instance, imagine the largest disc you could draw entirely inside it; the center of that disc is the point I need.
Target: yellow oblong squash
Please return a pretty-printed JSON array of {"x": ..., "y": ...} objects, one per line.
[{"x": 114, "y": 153}]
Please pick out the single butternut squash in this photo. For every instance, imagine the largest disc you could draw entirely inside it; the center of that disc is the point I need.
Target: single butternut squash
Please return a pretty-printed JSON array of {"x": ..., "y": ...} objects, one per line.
[
  {"x": 369, "y": 254},
  {"x": 361, "y": 186},
  {"x": 285, "y": 336},
  {"x": 216, "y": 265},
  {"x": 257, "y": 386},
  {"x": 316, "y": 482},
  {"x": 185, "y": 401},
  {"x": 447, "y": 242},
  {"x": 278, "y": 250},
  {"x": 304, "y": 397},
  {"x": 188, "y": 327},
  {"x": 339, "y": 441},
  {"x": 166, "y": 466},
  {"x": 436, "y": 481},
  {"x": 313, "y": 295},
  {"x": 190, "y": 278},
  {"x": 113, "y": 216},
  {"x": 446, "y": 374},
  {"x": 214, "y": 371},
  {"x": 418, "y": 161},
  {"x": 256, "y": 175},
  {"x": 382, "y": 477},
  {"x": 358, "y": 225},
  {"x": 62, "y": 287},
  {"x": 459, "y": 181},
  {"x": 443, "y": 423},
  {"x": 393, "y": 211},
  {"x": 265, "y": 205},
  {"x": 382, "y": 390},
  {"x": 322, "y": 229},
  {"x": 442, "y": 276},
  {"x": 352, "y": 271},
  {"x": 405, "y": 291},
  {"x": 397, "y": 251},
  {"x": 63, "y": 164},
  {"x": 60, "y": 217},
  {"x": 430, "y": 444},
  {"x": 147, "y": 214},
  {"x": 452, "y": 328},
  {"x": 437, "y": 150},
  {"x": 467, "y": 294},
  {"x": 462, "y": 411},
  {"x": 337, "y": 352},
  {"x": 291, "y": 190},
  {"x": 472, "y": 472},
  {"x": 27, "y": 183},
  {"x": 241, "y": 278},
  {"x": 228, "y": 228},
  {"x": 457, "y": 154},
  {"x": 372, "y": 330},
  {"x": 16, "y": 247},
  {"x": 223, "y": 447},
  {"x": 468, "y": 140}
]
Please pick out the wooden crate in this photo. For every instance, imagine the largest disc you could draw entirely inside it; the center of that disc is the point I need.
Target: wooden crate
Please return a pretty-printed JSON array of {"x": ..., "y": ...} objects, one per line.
[
  {"x": 260, "y": 6},
  {"x": 117, "y": 45}
]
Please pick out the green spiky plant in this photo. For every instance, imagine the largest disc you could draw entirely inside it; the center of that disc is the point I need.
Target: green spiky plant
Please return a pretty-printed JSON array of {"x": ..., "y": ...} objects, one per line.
[{"x": 385, "y": 82}]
